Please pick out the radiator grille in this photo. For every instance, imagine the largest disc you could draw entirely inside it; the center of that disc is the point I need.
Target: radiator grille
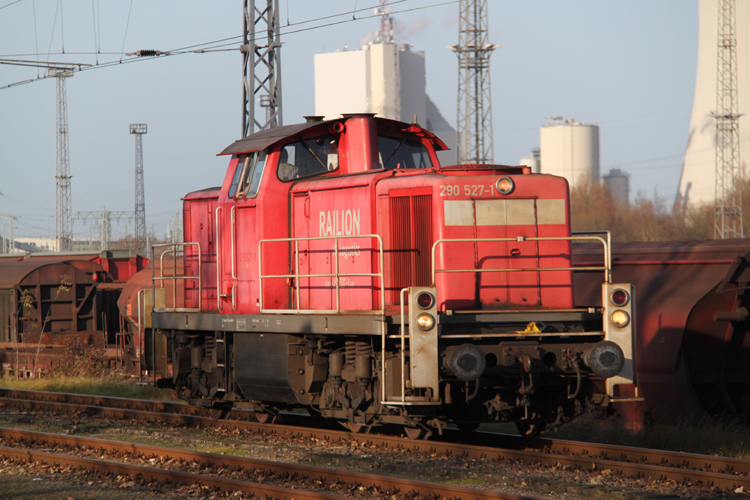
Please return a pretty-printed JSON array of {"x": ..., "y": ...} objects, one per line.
[{"x": 411, "y": 242}]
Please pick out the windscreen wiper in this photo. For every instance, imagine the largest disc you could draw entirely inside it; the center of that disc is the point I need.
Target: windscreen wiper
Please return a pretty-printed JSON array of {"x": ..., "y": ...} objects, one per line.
[{"x": 385, "y": 165}]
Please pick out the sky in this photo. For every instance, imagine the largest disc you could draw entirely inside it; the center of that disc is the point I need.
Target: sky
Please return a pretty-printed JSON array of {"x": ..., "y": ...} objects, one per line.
[{"x": 628, "y": 67}]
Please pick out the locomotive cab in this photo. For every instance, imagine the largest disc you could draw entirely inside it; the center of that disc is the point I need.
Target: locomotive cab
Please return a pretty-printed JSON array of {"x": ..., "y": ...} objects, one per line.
[{"x": 339, "y": 267}]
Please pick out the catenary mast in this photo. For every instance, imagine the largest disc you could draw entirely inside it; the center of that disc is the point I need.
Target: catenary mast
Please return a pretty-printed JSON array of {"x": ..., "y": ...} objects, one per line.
[
  {"x": 64, "y": 210},
  {"x": 261, "y": 66},
  {"x": 728, "y": 195},
  {"x": 474, "y": 127},
  {"x": 138, "y": 129}
]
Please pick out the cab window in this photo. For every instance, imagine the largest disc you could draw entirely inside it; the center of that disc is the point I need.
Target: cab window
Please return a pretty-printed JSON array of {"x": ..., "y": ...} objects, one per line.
[
  {"x": 247, "y": 181},
  {"x": 308, "y": 157},
  {"x": 236, "y": 178},
  {"x": 402, "y": 153}
]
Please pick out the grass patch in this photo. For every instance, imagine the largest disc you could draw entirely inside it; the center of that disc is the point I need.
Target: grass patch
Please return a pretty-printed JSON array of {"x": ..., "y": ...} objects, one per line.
[
  {"x": 710, "y": 436},
  {"x": 221, "y": 450},
  {"x": 110, "y": 386},
  {"x": 466, "y": 483}
]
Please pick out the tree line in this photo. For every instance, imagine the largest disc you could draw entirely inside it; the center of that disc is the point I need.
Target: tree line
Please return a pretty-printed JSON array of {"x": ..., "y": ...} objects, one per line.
[{"x": 592, "y": 207}]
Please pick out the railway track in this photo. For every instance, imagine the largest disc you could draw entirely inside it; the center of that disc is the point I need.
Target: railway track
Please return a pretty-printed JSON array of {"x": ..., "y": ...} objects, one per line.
[
  {"x": 683, "y": 468},
  {"x": 347, "y": 484}
]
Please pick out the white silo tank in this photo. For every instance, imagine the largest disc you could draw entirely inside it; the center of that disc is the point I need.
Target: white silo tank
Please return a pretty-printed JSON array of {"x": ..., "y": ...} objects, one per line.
[
  {"x": 531, "y": 161},
  {"x": 571, "y": 150},
  {"x": 618, "y": 184}
]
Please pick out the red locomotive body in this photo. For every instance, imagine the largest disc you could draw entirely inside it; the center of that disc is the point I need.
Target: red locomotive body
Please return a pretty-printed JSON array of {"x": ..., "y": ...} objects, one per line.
[{"x": 341, "y": 268}]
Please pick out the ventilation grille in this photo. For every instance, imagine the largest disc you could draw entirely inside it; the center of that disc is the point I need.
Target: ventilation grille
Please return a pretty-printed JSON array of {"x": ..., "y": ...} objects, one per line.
[{"x": 411, "y": 242}]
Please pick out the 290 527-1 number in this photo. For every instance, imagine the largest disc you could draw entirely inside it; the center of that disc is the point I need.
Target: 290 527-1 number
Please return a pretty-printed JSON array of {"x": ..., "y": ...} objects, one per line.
[
  {"x": 450, "y": 190},
  {"x": 469, "y": 190}
]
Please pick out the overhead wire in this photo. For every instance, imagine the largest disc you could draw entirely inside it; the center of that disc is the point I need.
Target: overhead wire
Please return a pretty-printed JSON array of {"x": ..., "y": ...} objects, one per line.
[
  {"x": 36, "y": 37},
  {"x": 93, "y": 13},
  {"x": 52, "y": 35},
  {"x": 62, "y": 27},
  {"x": 99, "y": 26},
  {"x": 291, "y": 32},
  {"x": 218, "y": 48},
  {"x": 11, "y": 3},
  {"x": 126, "y": 30}
]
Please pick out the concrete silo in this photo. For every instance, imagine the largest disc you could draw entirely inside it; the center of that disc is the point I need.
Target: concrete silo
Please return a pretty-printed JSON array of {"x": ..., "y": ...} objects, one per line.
[
  {"x": 385, "y": 78},
  {"x": 571, "y": 150},
  {"x": 531, "y": 161},
  {"x": 698, "y": 179},
  {"x": 618, "y": 184}
]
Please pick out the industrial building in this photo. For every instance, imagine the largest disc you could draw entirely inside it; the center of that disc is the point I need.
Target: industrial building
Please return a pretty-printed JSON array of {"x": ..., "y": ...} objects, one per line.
[
  {"x": 617, "y": 183},
  {"x": 385, "y": 78},
  {"x": 698, "y": 179},
  {"x": 570, "y": 149},
  {"x": 532, "y": 160}
]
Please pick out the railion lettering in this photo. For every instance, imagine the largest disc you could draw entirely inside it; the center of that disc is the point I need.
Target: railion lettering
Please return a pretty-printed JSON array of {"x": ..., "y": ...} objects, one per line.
[{"x": 339, "y": 222}]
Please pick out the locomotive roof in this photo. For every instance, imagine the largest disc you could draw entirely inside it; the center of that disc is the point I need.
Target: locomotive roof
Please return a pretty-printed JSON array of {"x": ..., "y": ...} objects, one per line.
[{"x": 265, "y": 138}]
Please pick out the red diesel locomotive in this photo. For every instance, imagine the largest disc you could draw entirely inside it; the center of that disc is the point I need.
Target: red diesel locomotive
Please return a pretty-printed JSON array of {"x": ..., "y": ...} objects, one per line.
[{"x": 340, "y": 268}]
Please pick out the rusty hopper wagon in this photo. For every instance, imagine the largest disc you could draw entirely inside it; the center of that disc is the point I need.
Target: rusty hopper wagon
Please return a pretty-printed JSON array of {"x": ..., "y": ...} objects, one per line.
[{"x": 50, "y": 303}]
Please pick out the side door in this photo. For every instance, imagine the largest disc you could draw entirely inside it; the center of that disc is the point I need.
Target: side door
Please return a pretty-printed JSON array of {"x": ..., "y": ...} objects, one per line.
[{"x": 242, "y": 269}]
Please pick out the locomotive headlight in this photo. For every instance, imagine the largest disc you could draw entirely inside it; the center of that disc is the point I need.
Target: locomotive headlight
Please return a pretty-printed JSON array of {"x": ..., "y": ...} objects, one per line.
[
  {"x": 620, "y": 318},
  {"x": 425, "y": 321},
  {"x": 425, "y": 300},
  {"x": 504, "y": 185},
  {"x": 620, "y": 297}
]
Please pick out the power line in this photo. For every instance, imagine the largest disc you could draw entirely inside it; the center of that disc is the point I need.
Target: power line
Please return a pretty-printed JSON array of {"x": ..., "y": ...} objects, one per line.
[
  {"x": 126, "y": 29},
  {"x": 215, "y": 48},
  {"x": 11, "y": 3}
]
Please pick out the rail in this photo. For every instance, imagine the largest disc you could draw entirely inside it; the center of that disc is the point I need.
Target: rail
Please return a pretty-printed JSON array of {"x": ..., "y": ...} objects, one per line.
[
  {"x": 174, "y": 277},
  {"x": 336, "y": 274},
  {"x": 607, "y": 267}
]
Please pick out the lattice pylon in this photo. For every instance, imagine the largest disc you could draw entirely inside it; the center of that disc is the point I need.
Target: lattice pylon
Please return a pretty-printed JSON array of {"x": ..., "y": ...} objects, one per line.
[
  {"x": 64, "y": 209},
  {"x": 138, "y": 129},
  {"x": 728, "y": 194},
  {"x": 261, "y": 66},
  {"x": 474, "y": 127}
]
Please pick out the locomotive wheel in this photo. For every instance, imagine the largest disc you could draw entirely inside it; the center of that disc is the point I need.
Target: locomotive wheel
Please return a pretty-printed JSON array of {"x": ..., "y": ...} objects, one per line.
[
  {"x": 265, "y": 418},
  {"x": 220, "y": 410},
  {"x": 357, "y": 428},
  {"x": 530, "y": 430}
]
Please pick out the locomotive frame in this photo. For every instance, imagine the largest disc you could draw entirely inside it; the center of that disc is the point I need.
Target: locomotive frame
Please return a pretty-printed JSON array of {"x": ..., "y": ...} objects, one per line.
[{"x": 430, "y": 294}]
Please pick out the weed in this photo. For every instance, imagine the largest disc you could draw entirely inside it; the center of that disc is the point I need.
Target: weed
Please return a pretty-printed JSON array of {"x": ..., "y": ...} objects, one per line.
[
  {"x": 84, "y": 361},
  {"x": 709, "y": 436},
  {"x": 221, "y": 450}
]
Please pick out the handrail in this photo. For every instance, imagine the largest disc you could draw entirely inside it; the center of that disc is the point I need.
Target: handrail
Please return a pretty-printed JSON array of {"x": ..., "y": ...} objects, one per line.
[
  {"x": 218, "y": 263},
  {"x": 174, "y": 278},
  {"x": 607, "y": 267},
  {"x": 231, "y": 238},
  {"x": 403, "y": 347},
  {"x": 607, "y": 255},
  {"x": 336, "y": 274},
  {"x": 141, "y": 332}
]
